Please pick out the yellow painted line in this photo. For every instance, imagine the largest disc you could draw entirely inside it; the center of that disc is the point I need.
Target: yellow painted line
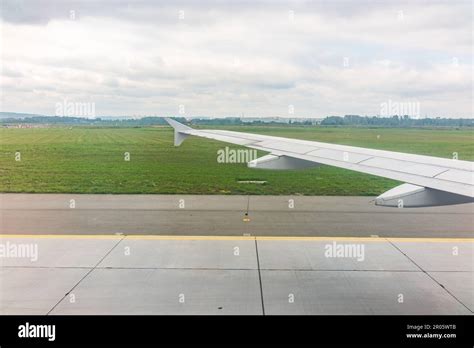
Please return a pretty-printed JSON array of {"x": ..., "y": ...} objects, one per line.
[
  {"x": 451, "y": 240},
  {"x": 159, "y": 237},
  {"x": 370, "y": 239},
  {"x": 113, "y": 236},
  {"x": 322, "y": 238},
  {"x": 63, "y": 236},
  {"x": 217, "y": 238}
]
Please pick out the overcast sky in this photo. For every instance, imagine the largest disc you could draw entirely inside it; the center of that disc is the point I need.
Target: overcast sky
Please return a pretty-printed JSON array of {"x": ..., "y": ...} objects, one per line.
[{"x": 223, "y": 58}]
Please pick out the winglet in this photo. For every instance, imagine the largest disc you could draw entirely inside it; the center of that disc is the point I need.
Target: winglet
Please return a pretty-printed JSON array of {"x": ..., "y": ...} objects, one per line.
[{"x": 180, "y": 131}]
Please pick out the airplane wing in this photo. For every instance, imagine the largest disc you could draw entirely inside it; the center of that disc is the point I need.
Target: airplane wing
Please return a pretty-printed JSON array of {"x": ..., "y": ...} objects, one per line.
[{"x": 428, "y": 181}]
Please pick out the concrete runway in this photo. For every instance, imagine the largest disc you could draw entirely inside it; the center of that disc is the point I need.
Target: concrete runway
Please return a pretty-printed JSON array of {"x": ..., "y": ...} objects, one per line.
[
  {"x": 225, "y": 215},
  {"x": 180, "y": 254},
  {"x": 235, "y": 275}
]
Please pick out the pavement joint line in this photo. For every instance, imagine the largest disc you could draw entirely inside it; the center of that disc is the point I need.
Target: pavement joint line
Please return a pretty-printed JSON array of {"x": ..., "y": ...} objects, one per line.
[
  {"x": 256, "y": 210},
  {"x": 259, "y": 277},
  {"x": 233, "y": 269},
  {"x": 237, "y": 237},
  {"x": 230, "y": 269},
  {"x": 85, "y": 276},
  {"x": 431, "y": 277},
  {"x": 136, "y": 268}
]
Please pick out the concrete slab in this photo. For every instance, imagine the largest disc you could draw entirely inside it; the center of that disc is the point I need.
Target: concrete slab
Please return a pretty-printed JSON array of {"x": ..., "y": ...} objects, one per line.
[
  {"x": 460, "y": 284},
  {"x": 59, "y": 252},
  {"x": 207, "y": 254},
  {"x": 357, "y": 292},
  {"x": 158, "y": 291},
  {"x": 322, "y": 255},
  {"x": 444, "y": 256},
  {"x": 220, "y": 275},
  {"x": 35, "y": 290}
]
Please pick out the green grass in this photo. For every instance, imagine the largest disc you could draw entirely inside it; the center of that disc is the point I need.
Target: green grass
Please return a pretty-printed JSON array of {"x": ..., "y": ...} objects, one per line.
[{"x": 91, "y": 160}]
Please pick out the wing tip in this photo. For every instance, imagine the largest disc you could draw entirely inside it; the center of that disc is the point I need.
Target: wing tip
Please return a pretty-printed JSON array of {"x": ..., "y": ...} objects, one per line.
[{"x": 177, "y": 125}]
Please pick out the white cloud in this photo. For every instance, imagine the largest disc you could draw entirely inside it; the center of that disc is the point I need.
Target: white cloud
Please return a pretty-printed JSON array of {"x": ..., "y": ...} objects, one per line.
[{"x": 230, "y": 59}]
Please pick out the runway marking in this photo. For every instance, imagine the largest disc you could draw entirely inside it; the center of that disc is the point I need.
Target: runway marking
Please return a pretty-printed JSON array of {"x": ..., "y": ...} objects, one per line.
[
  {"x": 162, "y": 237},
  {"x": 63, "y": 236},
  {"x": 259, "y": 238},
  {"x": 369, "y": 239},
  {"x": 399, "y": 239}
]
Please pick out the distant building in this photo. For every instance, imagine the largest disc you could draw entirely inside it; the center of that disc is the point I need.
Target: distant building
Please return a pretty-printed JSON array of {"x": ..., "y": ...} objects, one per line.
[{"x": 286, "y": 120}]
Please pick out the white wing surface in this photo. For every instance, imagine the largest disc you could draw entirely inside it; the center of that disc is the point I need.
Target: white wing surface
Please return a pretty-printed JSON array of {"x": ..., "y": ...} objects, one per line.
[{"x": 430, "y": 181}]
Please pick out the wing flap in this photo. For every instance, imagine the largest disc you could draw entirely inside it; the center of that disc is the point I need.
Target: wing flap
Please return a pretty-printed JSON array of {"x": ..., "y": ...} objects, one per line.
[
  {"x": 404, "y": 166},
  {"x": 461, "y": 176},
  {"x": 286, "y": 146},
  {"x": 346, "y": 156}
]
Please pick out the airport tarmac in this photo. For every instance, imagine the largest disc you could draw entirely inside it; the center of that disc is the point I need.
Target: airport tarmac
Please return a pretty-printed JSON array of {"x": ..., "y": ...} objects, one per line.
[
  {"x": 111, "y": 274},
  {"x": 182, "y": 254},
  {"x": 225, "y": 215}
]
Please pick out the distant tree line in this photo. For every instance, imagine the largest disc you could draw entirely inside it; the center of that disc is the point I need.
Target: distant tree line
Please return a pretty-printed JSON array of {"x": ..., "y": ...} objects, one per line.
[
  {"x": 46, "y": 120},
  {"x": 230, "y": 121},
  {"x": 348, "y": 120},
  {"x": 395, "y": 121},
  {"x": 67, "y": 120}
]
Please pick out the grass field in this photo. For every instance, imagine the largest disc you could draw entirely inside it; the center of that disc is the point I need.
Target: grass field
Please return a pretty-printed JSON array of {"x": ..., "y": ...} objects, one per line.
[{"x": 91, "y": 160}]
